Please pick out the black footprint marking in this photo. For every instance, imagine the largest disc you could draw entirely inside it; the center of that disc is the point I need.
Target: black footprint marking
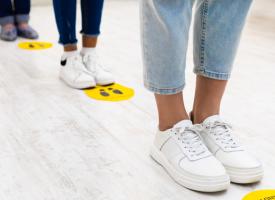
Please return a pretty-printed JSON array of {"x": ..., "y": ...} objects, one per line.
[
  {"x": 103, "y": 93},
  {"x": 117, "y": 91},
  {"x": 31, "y": 45},
  {"x": 106, "y": 94}
]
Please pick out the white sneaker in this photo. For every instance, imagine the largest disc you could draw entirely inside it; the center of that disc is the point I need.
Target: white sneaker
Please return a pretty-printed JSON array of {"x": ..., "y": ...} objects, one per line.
[
  {"x": 101, "y": 75},
  {"x": 74, "y": 73},
  {"x": 181, "y": 151},
  {"x": 220, "y": 140}
]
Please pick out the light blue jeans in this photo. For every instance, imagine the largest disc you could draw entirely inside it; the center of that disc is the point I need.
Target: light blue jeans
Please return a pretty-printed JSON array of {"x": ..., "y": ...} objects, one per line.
[{"x": 165, "y": 26}]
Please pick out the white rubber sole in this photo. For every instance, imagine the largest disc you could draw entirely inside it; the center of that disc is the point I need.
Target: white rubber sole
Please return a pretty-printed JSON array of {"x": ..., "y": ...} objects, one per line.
[
  {"x": 245, "y": 176},
  {"x": 83, "y": 85},
  {"x": 188, "y": 180},
  {"x": 109, "y": 82}
]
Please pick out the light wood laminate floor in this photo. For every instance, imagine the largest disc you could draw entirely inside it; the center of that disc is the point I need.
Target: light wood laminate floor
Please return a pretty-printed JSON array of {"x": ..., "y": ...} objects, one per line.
[{"x": 57, "y": 144}]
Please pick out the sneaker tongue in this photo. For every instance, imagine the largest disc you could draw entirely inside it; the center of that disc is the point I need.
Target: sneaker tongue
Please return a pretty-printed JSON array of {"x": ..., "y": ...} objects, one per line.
[
  {"x": 212, "y": 119},
  {"x": 183, "y": 124}
]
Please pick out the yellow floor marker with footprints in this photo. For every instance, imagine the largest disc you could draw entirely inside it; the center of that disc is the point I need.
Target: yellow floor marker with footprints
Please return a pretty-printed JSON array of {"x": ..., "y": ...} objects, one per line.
[
  {"x": 260, "y": 195},
  {"x": 34, "y": 45},
  {"x": 114, "y": 92}
]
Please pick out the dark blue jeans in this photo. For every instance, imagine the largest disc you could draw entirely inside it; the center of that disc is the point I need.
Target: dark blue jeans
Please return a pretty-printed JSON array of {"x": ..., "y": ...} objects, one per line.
[
  {"x": 19, "y": 12},
  {"x": 65, "y": 15}
]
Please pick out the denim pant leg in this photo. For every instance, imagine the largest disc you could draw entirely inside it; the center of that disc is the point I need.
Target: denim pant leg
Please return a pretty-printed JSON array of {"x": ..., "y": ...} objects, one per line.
[
  {"x": 22, "y": 10},
  {"x": 217, "y": 30},
  {"x": 91, "y": 16},
  {"x": 164, "y": 28},
  {"x": 65, "y": 16},
  {"x": 6, "y": 12}
]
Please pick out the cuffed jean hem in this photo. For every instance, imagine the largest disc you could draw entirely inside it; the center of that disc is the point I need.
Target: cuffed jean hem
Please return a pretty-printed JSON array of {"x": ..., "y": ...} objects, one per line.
[
  {"x": 74, "y": 42},
  {"x": 68, "y": 44},
  {"x": 90, "y": 35},
  {"x": 6, "y": 20},
  {"x": 212, "y": 75},
  {"x": 21, "y": 18},
  {"x": 163, "y": 91}
]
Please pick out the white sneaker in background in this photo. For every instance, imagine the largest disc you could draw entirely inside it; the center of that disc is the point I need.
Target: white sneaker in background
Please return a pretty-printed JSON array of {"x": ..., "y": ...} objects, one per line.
[
  {"x": 223, "y": 143},
  {"x": 74, "y": 73},
  {"x": 181, "y": 151},
  {"x": 92, "y": 63}
]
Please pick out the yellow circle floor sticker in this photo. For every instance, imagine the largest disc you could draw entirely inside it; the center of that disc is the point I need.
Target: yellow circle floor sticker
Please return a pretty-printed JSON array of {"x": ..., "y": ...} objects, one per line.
[
  {"x": 34, "y": 45},
  {"x": 113, "y": 92},
  {"x": 260, "y": 195}
]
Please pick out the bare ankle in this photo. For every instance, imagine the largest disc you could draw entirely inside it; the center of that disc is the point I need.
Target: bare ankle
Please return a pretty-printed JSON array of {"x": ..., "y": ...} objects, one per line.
[
  {"x": 23, "y": 25},
  {"x": 164, "y": 127},
  {"x": 8, "y": 26},
  {"x": 171, "y": 110},
  {"x": 198, "y": 118},
  {"x": 70, "y": 47},
  {"x": 167, "y": 124},
  {"x": 89, "y": 42}
]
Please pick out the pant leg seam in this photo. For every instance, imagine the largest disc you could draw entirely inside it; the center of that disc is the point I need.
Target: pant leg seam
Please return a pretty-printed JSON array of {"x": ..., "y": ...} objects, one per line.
[
  {"x": 145, "y": 76},
  {"x": 204, "y": 13}
]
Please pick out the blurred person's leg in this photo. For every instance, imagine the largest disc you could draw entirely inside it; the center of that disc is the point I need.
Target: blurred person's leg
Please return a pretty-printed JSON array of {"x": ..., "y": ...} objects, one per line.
[
  {"x": 65, "y": 16},
  {"x": 22, "y": 10},
  {"x": 8, "y": 30},
  {"x": 73, "y": 72},
  {"x": 6, "y": 12},
  {"x": 216, "y": 39},
  {"x": 165, "y": 28},
  {"x": 208, "y": 97},
  {"x": 178, "y": 146},
  {"x": 91, "y": 20},
  {"x": 217, "y": 31}
]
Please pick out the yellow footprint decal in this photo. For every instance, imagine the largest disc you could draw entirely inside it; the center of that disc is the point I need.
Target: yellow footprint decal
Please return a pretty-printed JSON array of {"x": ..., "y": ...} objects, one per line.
[
  {"x": 114, "y": 92},
  {"x": 34, "y": 45},
  {"x": 260, "y": 195}
]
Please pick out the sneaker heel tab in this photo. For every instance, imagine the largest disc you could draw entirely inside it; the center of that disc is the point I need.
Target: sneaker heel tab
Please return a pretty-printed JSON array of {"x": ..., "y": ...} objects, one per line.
[{"x": 63, "y": 62}]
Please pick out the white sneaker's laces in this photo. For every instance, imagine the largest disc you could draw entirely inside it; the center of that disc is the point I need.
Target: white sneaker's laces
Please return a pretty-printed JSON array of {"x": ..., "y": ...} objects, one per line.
[
  {"x": 222, "y": 133},
  {"x": 191, "y": 139}
]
